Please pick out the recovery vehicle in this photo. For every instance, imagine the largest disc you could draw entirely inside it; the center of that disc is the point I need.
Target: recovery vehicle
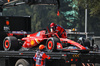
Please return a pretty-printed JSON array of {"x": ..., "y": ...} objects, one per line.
[{"x": 59, "y": 58}]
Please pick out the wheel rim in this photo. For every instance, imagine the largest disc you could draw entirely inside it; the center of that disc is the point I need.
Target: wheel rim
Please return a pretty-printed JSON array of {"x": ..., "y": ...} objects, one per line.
[
  {"x": 6, "y": 44},
  {"x": 50, "y": 45},
  {"x": 20, "y": 65}
]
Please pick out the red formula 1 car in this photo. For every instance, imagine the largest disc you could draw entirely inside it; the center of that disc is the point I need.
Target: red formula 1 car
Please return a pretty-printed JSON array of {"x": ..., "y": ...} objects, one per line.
[{"x": 51, "y": 40}]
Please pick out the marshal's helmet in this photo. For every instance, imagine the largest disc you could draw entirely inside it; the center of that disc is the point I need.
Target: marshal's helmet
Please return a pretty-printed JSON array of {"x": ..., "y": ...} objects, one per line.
[{"x": 41, "y": 47}]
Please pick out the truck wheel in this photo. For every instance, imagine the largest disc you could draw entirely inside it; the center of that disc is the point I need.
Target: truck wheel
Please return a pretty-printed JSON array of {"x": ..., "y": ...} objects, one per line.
[
  {"x": 51, "y": 44},
  {"x": 10, "y": 43},
  {"x": 22, "y": 62}
]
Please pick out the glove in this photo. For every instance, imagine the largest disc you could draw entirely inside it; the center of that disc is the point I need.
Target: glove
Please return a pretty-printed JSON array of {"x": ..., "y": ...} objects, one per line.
[{"x": 34, "y": 58}]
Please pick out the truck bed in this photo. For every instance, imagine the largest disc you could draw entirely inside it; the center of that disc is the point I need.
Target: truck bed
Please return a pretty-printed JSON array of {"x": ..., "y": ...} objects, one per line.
[{"x": 91, "y": 57}]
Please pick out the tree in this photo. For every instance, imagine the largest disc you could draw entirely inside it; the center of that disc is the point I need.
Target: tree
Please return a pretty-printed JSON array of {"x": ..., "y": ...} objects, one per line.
[
  {"x": 92, "y": 5},
  {"x": 70, "y": 12}
]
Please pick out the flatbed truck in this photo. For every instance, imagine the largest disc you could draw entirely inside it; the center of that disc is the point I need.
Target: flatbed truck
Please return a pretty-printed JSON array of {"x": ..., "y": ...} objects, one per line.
[{"x": 25, "y": 58}]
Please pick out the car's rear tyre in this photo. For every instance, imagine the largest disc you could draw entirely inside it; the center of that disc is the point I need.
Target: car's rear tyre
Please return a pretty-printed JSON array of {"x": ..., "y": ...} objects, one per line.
[
  {"x": 87, "y": 43},
  {"x": 84, "y": 42},
  {"x": 51, "y": 44},
  {"x": 10, "y": 43},
  {"x": 22, "y": 62}
]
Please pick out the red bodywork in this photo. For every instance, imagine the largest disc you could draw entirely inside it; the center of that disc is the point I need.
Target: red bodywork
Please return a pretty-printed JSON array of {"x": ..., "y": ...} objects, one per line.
[{"x": 34, "y": 39}]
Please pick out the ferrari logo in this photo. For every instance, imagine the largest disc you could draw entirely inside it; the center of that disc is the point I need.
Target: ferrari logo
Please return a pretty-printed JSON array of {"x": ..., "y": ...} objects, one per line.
[
  {"x": 32, "y": 42},
  {"x": 8, "y": 0}
]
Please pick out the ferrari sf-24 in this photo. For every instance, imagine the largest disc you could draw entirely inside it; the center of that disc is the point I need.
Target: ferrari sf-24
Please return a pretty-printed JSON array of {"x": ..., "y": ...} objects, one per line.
[{"x": 51, "y": 41}]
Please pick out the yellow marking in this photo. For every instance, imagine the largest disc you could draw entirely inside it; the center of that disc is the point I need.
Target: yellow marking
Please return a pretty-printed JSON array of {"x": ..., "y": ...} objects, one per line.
[
  {"x": 37, "y": 41},
  {"x": 75, "y": 55},
  {"x": 73, "y": 42}
]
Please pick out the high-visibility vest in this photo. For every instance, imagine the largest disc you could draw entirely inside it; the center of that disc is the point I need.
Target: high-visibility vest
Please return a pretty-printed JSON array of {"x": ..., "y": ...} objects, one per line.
[{"x": 40, "y": 56}]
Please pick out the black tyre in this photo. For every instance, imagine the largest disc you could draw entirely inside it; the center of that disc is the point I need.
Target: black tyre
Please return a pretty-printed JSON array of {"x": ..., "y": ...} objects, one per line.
[
  {"x": 87, "y": 43},
  {"x": 84, "y": 42},
  {"x": 22, "y": 62},
  {"x": 10, "y": 43},
  {"x": 51, "y": 44}
]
